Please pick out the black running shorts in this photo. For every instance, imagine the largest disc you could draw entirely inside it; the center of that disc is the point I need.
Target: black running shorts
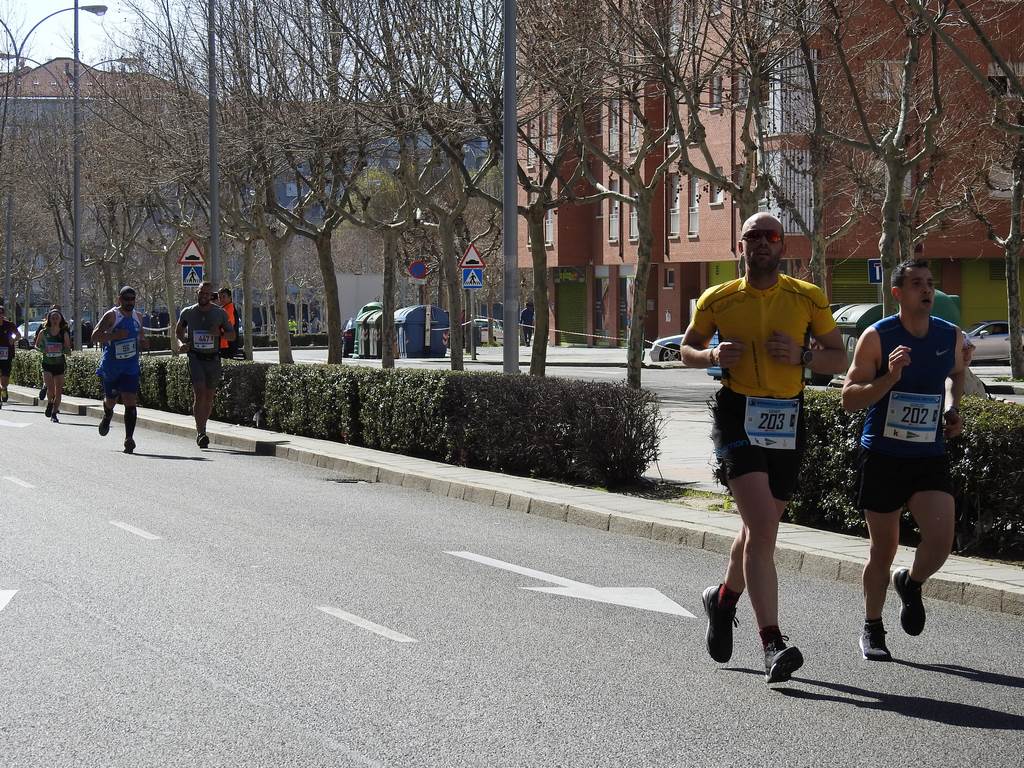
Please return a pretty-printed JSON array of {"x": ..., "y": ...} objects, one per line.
[
  {"x": 737, "y": 457},
  {"x": 886, "y": 483},
  {"x": 56, "y": 369}
]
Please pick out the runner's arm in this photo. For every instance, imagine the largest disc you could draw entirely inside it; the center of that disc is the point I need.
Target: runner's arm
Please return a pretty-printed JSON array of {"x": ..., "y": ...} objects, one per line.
[
  {"x": 101, "y": 334},
  {"x": 863, "y": 386},
  {"x": 694, "y": 352},
  {"x": 181, "y": 331},
  {"x": 227, "y": 330},
  {"x": 832, "y": 357}
]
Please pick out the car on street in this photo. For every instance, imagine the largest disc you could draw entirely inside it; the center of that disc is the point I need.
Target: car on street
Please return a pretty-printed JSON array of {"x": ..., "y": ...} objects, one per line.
[
  {"x": 666, "y": 350},
  {"x": 29, "y": 335},
  {"x": 991, "y": 340},
  {"x": 483, "y": 331}
]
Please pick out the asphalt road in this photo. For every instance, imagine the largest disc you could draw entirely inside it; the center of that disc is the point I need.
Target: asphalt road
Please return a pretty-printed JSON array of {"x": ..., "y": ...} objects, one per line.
[{"x": 187, "y": 608}]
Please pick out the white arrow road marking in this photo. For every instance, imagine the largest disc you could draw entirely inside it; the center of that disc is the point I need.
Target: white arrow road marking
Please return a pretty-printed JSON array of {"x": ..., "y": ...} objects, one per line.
[
  {"x": 644, "y": 598},
  {"x": 5, "y": 597},
  {"x": 17, "y": 424},
  {"x": 359, "y": 621},
  {"x": 133, "y": 529},
  {"x": 16, "y": 481}
]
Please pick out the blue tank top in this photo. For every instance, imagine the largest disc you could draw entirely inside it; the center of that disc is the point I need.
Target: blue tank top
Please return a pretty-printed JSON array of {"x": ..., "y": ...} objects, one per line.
[
  {"x": 122, "y": 356},
  {"x": 908, "y": 420}
]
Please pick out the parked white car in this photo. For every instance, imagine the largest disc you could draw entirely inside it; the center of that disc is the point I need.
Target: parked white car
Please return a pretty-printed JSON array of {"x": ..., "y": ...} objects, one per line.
[
  {"x": 666, "y": 349},
  {"x": 991, "y": 340}
]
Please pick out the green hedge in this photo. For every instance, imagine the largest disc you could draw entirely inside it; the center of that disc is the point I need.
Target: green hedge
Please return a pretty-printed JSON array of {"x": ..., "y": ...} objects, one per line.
[
  {"x": 987, "y": 464},
  {"x": 600, "y": 434}
]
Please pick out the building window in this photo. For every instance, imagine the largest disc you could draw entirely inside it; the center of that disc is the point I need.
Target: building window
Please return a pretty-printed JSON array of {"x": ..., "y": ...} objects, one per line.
[
  {"x": 693, "y": 205},
  {"x": 717, "y": 190},
  {"x": 716, "y": 92},
  {"x": 550, "y": 134},
  {"x": 886, "y": 78},
  {"x": 670, "y": 278},
  {"x": 549, "y": 227},
  {"x": 614, "y": 116},
  {"x": 613, "y": 212},
  {"x": 714, "y": 7},
  {"x": 673, "y": 205},
  {"x": 634, "y": 223},
  {"x": 634, "y": 131},
  {"x": 530, "y": 154}
]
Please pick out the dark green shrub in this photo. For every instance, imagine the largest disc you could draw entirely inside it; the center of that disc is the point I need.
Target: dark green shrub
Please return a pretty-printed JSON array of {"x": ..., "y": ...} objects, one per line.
[
  {"x": 153, "y": 382},
  {"x": 241, "y": 392},
  {"x": 987, "y": 464},
  {"x": 159, "y": 343}
]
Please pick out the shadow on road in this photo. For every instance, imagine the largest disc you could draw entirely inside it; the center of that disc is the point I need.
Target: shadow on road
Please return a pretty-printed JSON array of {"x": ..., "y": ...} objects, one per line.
[
  {"x": 974, "y": 675},
  {"x": 922, "y": 707},
  {"x": 169, "y": 457}
]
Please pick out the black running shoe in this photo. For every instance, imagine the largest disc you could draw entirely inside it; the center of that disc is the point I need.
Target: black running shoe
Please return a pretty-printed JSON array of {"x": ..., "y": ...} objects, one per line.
[
  {"x": 781, "y": 661},
  {"x": 720, "y": 623},
  {"x": 872, "y": 643},
  {"x": 912, "y": 612},
  {"x": 203, "y": 440},
  {"x": 42, "y": 393},
  {"x": 129, "y": 445},
  {"x": 105, "y": 424},
  {"x": 49, "y": 410}
]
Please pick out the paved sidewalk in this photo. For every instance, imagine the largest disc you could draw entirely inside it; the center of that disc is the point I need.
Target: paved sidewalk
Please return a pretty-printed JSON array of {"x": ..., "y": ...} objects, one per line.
[{"x": 977, "y": 583}]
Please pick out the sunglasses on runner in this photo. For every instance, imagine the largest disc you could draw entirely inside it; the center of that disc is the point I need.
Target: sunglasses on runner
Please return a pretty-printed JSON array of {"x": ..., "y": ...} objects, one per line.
[{"x": 771, "y": 235}]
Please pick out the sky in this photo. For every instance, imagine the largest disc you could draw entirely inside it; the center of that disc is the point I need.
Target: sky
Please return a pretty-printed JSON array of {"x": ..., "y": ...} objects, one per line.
[{"x": 53, "y": 38}]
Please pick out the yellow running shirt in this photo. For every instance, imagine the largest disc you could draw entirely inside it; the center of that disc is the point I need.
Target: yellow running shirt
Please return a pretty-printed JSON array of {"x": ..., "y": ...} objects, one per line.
[{"x": 742, "y": 313}]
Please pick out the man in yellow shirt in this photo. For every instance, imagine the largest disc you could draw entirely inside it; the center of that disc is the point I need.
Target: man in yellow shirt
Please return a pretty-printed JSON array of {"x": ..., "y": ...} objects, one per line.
[{"x": 765, "y": 321}]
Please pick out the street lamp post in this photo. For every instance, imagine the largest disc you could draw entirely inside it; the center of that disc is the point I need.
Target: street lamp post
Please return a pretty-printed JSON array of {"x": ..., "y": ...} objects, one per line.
[
  {"x": 76, "y": 319},
  {"x": 509, "y": 200},
  {"x": 97, "y": 10},
  {"x": 214, "y": 174}
]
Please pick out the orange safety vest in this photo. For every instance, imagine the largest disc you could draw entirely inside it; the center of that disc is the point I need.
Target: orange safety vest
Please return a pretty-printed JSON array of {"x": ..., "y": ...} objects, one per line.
[{"x": 230, "y": 311}]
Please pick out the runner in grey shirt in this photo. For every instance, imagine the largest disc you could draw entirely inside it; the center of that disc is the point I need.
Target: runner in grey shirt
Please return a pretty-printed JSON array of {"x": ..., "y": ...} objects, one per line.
[{"x": 199, "y": 329}]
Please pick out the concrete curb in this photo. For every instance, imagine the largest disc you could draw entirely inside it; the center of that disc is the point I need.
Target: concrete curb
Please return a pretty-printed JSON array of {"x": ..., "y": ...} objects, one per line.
[{"x": 831, "y": 556}]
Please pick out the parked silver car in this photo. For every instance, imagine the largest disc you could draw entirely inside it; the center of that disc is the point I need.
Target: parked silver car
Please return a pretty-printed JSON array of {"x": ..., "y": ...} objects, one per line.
[{"x": 991, "y": 340}]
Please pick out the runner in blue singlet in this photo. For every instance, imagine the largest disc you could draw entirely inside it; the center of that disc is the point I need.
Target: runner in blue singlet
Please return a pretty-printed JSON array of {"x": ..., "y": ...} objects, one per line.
[{"x": 122, "y": 336}]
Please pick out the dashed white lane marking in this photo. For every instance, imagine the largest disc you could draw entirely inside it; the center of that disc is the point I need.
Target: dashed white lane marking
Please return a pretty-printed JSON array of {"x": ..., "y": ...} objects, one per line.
[
  {"x": 5, "y": 597},
  {"x": 133, "y": 529},
  {"x": 16, "y": 481},
  {"x": 359, "y": 621}
]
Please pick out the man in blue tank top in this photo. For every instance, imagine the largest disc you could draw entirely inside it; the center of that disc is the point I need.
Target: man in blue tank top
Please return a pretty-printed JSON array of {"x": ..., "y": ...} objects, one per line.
[
  {"x": 121, "y": 334},
  {"x": 899, "y": 374}
]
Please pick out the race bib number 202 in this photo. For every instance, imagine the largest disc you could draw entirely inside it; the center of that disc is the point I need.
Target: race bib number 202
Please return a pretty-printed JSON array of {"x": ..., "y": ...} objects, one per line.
[{"x": 913, "y": 418}]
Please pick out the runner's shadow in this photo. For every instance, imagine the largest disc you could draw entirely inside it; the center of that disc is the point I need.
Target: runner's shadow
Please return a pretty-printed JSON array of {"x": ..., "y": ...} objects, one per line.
[
  {"x": 974, "y": 675},
  {"x": 168, "y": 457},
  {"x": 921, "y": 707}
]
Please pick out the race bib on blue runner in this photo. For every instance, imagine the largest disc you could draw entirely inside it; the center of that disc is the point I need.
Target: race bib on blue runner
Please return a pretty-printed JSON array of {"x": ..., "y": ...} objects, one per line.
[
  {"x": 125, "y": 348},
  {"x": 913, "y": 418},
  {"x": 771, "y": 423}
]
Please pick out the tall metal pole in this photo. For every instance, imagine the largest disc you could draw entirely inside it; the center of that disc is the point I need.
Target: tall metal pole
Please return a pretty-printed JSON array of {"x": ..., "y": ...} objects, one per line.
[
  {"x": 214, "y": 173},
  {"x": 76, "y": 282},
  {"x": 510, "y": 200},
  {"x": 9, "y": 250}
]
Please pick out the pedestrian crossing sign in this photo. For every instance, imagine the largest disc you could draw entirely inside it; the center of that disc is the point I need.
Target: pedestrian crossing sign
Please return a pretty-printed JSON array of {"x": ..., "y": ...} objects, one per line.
[
  {"x": 472, "y": 278},
  {"x": 191, "y": 275}
]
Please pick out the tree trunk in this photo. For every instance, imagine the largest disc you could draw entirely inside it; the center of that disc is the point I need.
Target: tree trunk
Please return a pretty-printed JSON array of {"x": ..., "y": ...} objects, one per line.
[
  {"x": 387, "y": 327},
  {"x": 108, "y": 283},
  {"x": 816, "y": 265},
  {"x": 539, "y": 255},
  {"x": 635, "y": 353},
  {"x": 889, "y": 242},
  {"x": 248, "y": 267},
  {"x": 284, "y": 343},
  {"x": 453, "y": 276},
  {"x": 1011, "y": 251},
  {"x": 331, "y": 299}
]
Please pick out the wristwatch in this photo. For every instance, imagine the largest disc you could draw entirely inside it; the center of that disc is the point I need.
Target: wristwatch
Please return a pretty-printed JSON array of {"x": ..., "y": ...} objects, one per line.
[{"x": 806, "y": 356}]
